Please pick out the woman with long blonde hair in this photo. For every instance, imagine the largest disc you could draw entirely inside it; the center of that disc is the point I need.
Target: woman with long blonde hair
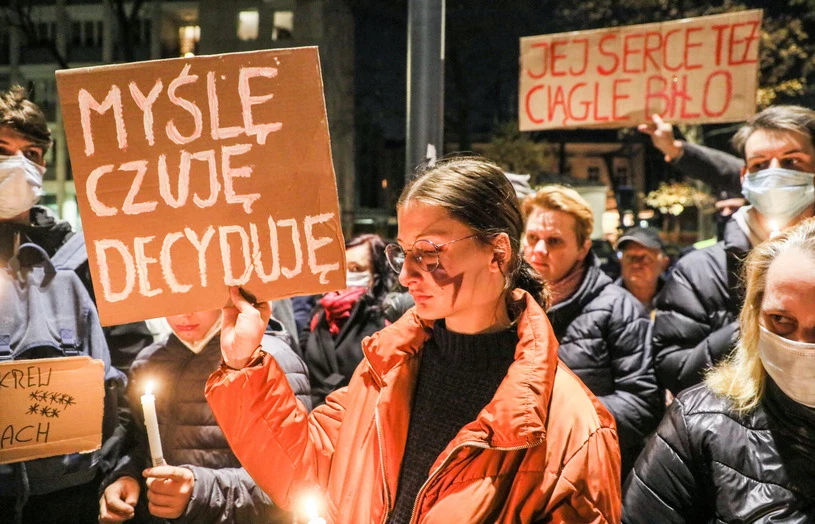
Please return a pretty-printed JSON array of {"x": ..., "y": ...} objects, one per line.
[{"x": 741, "y": 446}]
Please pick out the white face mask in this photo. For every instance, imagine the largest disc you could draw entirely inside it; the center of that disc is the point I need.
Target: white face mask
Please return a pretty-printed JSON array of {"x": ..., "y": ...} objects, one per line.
[
  {"x": 791, "y": 365},
  {"x": 20, "y": 185},
  {"x": 357, "y": 279},
  {"x": 779, "y": 194}
]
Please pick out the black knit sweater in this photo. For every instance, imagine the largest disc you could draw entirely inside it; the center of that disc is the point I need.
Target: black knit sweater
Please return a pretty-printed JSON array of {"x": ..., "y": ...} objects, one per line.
[{"x": 458, "y": 376}]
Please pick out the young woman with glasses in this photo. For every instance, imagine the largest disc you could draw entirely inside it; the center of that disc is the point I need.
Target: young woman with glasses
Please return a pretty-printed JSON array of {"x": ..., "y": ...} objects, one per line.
[{"x": 460, "y": 411}]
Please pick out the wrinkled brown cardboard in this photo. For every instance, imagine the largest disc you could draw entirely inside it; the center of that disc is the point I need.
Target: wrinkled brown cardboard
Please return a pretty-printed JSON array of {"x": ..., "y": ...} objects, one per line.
[
  {"x": 281, "y": 185},
  {"x": 50, "y": 406},
  {"x": 693, "y": 70}
]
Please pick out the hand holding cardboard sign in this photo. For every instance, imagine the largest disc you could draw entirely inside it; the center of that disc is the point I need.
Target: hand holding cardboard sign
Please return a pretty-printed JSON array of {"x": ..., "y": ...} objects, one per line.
[
  {"x": 118, "y": 502},
  {"x": 169, "y": 490},
  {"x": 242, "y": 329}
]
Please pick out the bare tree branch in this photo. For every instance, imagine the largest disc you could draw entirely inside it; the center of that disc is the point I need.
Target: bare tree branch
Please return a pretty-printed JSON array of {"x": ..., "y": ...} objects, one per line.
[{"x": 20, "y": 15}]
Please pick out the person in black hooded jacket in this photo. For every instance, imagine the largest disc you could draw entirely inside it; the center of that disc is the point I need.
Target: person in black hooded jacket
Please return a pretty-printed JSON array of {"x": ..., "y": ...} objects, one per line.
[
  {"x": 602, "y": 329},
  {"x": 203, "y": 480},
  {"x": 696, "y": 322},
  {"x": 333, "y": 345},
  {"x": 741, "y": 446}
]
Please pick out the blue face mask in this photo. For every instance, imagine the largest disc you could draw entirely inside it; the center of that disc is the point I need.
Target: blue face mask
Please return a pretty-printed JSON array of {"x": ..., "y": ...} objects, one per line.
[{"x": 779, "y": 194}]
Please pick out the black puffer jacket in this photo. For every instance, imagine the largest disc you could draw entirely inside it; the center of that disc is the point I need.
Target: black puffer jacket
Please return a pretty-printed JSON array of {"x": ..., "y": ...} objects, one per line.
[
  {"x": 332, "y": 360},
  {"x": 697, "y": 311},
  {"x": 603, "y": 334},
  {"x": 707, "y": 463},
  {"x": 190, "y": 436}
]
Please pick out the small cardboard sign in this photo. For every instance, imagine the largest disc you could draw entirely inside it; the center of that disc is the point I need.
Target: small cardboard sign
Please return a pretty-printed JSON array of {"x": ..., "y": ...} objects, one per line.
[
  {"x": 196, "y": 174},
  {"x": 693, "y": 70},
  {"x": 50, "y": 406}
]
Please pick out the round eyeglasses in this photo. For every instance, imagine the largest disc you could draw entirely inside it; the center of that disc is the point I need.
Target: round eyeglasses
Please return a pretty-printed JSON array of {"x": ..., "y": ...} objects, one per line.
[{"x": 424, "y": 252}]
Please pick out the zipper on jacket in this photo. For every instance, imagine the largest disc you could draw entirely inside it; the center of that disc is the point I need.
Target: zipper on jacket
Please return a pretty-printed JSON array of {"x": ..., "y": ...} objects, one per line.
[
  {"x": 382, "y": 464},
  {"x": 173, "y": 405},
  {"x": 448, "y": 458}
]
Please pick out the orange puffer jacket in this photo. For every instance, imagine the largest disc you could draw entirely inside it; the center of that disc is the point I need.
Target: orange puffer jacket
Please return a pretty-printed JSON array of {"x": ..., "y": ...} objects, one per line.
[{"x": 544, "y": 449}]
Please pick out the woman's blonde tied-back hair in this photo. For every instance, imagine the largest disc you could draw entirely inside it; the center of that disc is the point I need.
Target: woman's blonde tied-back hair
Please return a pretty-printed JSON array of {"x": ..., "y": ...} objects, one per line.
[
  {"x": 741, "y": 376},
  {"x": 561, "y": 198}
]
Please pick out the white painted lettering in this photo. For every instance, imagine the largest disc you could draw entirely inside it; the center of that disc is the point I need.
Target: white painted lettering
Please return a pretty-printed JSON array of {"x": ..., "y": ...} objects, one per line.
[
  {"x": 172, "y": 131},
  {"x": 145, "y": 103},
  {"x": 313, "y": 244},
  {"x": 229, "y": 173},
  {"x": 104, "y": 270},
  {"x": 87, "y": 103},
  {"x": 260, "y": 131},
  {"x": 130, "y": 207}
]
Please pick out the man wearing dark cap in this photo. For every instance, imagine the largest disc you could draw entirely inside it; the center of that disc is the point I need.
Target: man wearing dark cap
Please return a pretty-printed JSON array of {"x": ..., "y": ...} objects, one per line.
[{"x": 642, "y": 262}]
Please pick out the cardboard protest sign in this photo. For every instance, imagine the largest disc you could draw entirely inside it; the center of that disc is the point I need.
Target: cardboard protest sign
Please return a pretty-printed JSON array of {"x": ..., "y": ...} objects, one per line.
[
  {"x": 51, "y": 406},
  {"x": 195, "y": 174},
  {"x": 693, "y": 70}
]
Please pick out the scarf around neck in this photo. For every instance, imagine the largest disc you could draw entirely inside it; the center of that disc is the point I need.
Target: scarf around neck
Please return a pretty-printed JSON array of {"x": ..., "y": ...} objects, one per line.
[
  {"x": 568, "y": 284},
  {"x": 338, "y": 306}
]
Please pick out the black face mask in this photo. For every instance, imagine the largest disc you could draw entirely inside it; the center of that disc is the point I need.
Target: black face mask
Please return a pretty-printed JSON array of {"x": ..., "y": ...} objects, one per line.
[{"x": 721, "y": 221}]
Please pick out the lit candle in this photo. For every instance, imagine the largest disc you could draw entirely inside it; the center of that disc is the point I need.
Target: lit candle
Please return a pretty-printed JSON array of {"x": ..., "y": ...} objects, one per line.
[
  {"x": 311, "y": 511},
  {"x": 773, "y": 228},
  {"x": 148, "y": 405}
]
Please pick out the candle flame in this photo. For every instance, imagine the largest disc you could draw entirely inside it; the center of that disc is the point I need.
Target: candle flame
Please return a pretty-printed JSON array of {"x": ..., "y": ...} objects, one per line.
[
  {"x": 148, "y": 388},
  {"x": 773, "y": 228},
  {"x": 310, "y": 505}
]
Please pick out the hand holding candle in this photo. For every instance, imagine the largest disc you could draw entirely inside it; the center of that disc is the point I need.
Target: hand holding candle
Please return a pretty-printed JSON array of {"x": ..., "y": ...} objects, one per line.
[{"x": 148, "y": 404}]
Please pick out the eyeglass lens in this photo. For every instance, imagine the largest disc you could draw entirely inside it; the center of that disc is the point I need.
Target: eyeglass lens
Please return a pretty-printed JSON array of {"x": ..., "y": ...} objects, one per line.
[{"x": 423, "y": 252}]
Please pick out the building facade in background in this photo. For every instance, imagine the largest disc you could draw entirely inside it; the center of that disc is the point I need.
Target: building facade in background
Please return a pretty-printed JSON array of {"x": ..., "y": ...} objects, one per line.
[{"x": 42, "y": 37}]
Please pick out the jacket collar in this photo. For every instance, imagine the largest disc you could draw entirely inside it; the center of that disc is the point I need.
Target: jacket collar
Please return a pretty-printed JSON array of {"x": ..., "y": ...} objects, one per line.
[
  {"x": 734, "y": 239},
  {"x": 562, "y": 314},
  {"x": 517, "y": 414}
]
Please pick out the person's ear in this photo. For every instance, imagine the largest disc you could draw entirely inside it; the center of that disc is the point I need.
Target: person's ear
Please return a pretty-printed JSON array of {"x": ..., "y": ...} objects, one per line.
[
  {"x": 665, "y": 262},
  {"x": 501, "y": 251},
  {"x": 584, "y": 251},
  {"x": 742, "y": 174}
]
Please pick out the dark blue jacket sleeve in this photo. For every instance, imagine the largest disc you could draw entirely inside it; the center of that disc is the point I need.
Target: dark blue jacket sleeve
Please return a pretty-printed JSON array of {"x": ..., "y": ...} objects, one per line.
[{"x": 715, "y": 168}]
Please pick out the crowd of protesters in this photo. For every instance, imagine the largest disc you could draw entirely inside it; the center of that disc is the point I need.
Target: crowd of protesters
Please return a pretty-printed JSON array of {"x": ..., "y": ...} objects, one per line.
[{"x": 481, "y": 368}]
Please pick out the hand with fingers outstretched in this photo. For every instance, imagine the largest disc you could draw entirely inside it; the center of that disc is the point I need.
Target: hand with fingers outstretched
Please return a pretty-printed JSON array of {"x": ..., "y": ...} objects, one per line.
[
  {"x": 169, "y": 489},
  {"x": 118, "y": 502},
  {"x": 242, "y": 329},
  {"x": 662, "y": 136}
]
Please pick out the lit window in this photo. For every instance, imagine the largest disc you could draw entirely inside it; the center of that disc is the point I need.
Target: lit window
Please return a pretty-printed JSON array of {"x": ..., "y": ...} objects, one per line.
[
  {"x": 283, "y": 25},
  {"x": 188, "y": 37},
  {"x": 248, "y": 22}
]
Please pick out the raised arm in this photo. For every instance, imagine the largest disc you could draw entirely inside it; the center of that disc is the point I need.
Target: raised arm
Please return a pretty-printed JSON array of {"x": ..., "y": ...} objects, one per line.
[
  {"x": 716, "y": 168},
  {"x": 268, "y": 429}
]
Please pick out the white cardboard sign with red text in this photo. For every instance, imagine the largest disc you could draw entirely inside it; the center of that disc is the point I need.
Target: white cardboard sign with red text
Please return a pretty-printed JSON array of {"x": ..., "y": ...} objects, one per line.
[{"x": 693, "y": 70}]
